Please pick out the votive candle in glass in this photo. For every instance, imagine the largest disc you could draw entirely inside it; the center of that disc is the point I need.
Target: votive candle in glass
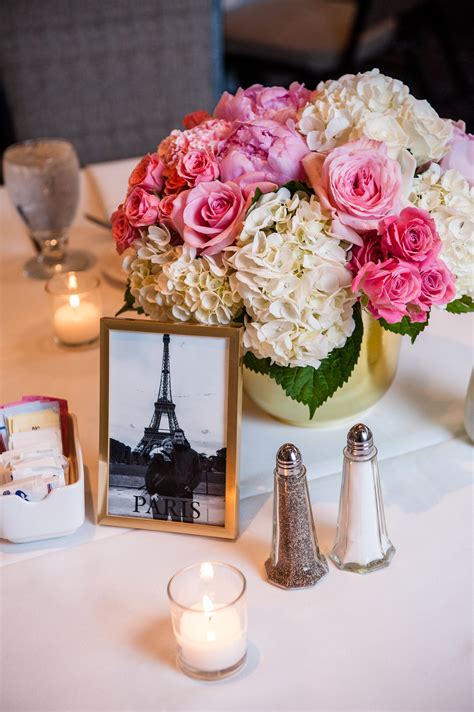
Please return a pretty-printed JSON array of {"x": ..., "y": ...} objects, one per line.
[
  {"x": 209, "y": 615},
  {"x": 76, "y": 307}
]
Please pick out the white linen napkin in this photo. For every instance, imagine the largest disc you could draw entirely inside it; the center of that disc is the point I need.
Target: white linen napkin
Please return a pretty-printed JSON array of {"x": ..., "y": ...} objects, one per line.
[{"x": 108, "y": 183}]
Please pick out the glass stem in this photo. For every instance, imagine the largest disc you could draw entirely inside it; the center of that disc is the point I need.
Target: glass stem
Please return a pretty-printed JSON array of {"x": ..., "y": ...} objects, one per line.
[{"x": 52, "y": 247}]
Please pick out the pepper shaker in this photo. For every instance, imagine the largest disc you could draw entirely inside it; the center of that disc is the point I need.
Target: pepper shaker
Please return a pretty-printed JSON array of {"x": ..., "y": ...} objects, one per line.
[
  {"x": 295, "y": 560},
  {"x": 362, "y": 544}
]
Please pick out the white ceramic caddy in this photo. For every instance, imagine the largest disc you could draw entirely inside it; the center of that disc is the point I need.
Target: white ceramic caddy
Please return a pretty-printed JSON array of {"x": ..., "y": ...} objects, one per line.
[{"x": 58, "y": 514}]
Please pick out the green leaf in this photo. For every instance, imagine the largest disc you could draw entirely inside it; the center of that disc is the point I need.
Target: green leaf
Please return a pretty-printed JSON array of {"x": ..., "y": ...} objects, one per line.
[
  {"x": 461, "y": 305},
  {"x": 313, "y": 386},
  {"x": 240, "y": 318},
  {"x": 406, "y": 327},
  {"x": 129, "y": 303},
  {"x": 258, "y": 193},
  {"x": 296, "y": 185}
]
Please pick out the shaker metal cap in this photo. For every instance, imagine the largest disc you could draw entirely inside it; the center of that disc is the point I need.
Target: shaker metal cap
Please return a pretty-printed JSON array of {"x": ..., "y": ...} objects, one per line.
[
  {"x": 360, "y": 440},
  {"x": 288, "y": 460}
]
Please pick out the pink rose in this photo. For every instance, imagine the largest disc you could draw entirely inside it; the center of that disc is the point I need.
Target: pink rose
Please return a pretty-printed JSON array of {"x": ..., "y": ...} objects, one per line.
[
  {"x": 142, "y": 208},
  {"x": 148, "y": 174},
  {"x": 461, "y": 153},
  {"x": 122, "y": 232},
  {"x": 259, "y": 102},
  {"x": 357, "y": 182},
  {"x": 390, "y": 286},
  {"x": 208, "y": 216},
  {"x": 197, "y": 166},
  {"x": 437, "y": 285},
  {"x": 412, "y": 236},
  {"x": 262, "y": 152},
  {"x": 370, "y": 251}
]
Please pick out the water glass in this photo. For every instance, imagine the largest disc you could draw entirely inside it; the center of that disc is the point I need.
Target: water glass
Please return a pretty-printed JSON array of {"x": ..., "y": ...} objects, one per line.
[{"x": 42, "y": 179}]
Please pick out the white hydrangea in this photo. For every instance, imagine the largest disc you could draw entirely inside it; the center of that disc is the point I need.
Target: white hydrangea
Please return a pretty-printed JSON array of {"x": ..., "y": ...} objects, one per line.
[
  {"x": 171, "y": 283},
  {"x": 290, "y": 272},
  {"x": 379, "y": 107},
  {"x": 450, "y": 201}
]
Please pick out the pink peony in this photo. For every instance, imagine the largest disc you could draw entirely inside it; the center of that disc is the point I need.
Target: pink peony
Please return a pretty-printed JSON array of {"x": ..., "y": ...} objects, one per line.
[
  {"x": 390, "y": 286},
  {"x": 208, "y": 216},
  {"x": 461, "y": 153},
  {"x": 370, "y": 251},
  {"x": 148, "y": 174},
  {"x": 122, "y": 232},
  {"x": 142, "y": 208},
  {"x": 357, "y": 182},
  {"x": 412, "y": 236},
  {"x": 197, "y": 166},
  {"x": 259, "y": 102},
  {"x": 262, "y": 153},
  {"x": 437, "y": 285}
]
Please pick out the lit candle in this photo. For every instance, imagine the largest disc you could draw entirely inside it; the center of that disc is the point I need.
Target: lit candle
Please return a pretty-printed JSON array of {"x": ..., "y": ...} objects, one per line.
[
  {"x": 209, "y": 615},
  {"x": 77, "y": 321},
  {"x": 211, "y": 638}
]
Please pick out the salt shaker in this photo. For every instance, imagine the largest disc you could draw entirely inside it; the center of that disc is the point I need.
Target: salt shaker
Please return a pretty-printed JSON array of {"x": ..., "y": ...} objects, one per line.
[
  {"x": 362, "y": 542},
  {"x": 295, "y": 560}
]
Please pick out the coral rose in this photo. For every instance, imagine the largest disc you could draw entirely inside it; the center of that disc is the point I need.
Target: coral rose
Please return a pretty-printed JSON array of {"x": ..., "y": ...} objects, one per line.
[
  {"x": 141, "y": 208},
  {"x": 208, "y": 216},
  {"x": 262, "y": 153},
  {"x": 122, "y": 232},
  {"x": 148, "y": 174},
  {"x": 390, "y": 286},
  {"x": 166, "y": 207},
  {"x": 358, "y": 183},
  {"x": 195, "y": 118},
  {"x": 412, "y": 236}
]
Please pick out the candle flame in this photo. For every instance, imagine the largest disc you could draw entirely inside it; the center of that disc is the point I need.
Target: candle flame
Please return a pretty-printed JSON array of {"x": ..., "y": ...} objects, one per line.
[
  {"x": 207, "y": 570},
  {"x": 211, "y": 636},
  {"x": 72, "y": 281},
  {"x": 74, "y": 301},
  {"x": 207, "y": 604}
]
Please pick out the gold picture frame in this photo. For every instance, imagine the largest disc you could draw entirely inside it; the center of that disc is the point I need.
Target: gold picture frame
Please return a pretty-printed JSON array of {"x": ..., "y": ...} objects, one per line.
[{"x": 126, "y": 347}]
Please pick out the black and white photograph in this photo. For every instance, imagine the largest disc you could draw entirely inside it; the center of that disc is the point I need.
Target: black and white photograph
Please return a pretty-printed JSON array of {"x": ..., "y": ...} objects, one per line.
[{"x": 168, "y": 425}]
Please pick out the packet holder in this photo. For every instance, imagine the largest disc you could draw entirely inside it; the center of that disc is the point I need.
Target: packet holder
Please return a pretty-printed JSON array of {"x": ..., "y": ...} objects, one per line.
[{"x": 58, "y": 514}]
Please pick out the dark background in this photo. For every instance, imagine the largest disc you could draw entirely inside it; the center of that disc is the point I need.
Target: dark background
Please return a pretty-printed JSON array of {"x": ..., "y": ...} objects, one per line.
[{"x": 116, "y": 76}]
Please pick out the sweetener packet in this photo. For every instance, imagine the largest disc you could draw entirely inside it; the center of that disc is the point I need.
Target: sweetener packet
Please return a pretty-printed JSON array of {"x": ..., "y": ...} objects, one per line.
[
  {"x": 15, "y": 457},
  {"x": 21, "y": 408},
  {"x": 63, "y": 412},
  {"x": 21, "y": 473},
  {"x": 22, "y": 422},
  {"x": 45, "y": 437},
  {"x": 33, "y": 489},
  {"x": 45, "y": 466}
]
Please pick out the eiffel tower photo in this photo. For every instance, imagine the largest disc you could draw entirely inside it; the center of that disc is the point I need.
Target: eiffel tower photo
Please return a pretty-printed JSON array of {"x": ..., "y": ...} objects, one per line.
[{"x": 164, "y": 409}]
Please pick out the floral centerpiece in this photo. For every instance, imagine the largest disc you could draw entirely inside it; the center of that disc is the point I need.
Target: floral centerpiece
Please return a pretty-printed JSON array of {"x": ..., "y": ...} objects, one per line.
[{"x": 290, "y": 210}]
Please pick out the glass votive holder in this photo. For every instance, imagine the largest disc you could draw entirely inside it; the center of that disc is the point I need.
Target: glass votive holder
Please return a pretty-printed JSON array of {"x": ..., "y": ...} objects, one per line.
[
  {"x": 209, "y": 615},
  {"x": 76, "y": 307}
]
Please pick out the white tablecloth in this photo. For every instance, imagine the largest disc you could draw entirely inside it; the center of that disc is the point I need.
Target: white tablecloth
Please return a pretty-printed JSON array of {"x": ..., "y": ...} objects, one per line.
[{"x": 84, "y": 619}]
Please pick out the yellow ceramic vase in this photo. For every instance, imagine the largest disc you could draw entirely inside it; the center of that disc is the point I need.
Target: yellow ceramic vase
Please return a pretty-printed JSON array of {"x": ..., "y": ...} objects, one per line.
[{"x": 371, "y": 378}]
